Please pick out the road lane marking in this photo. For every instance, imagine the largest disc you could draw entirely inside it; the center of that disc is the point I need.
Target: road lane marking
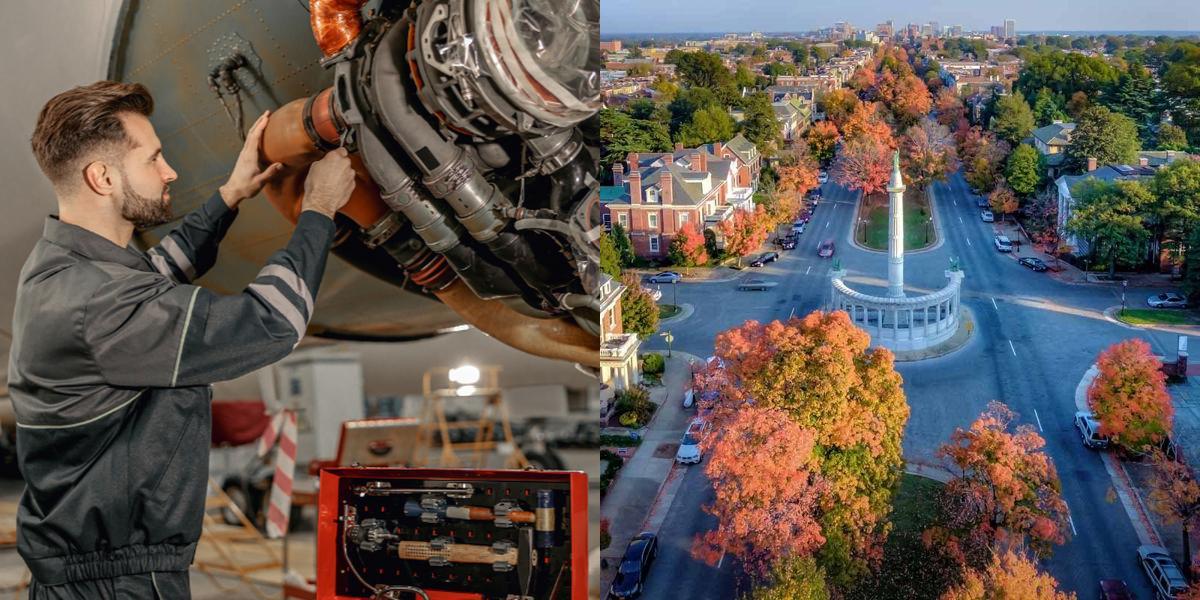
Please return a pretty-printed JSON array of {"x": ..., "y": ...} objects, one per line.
[
  {"x": 955, "y": 202},
  {"x": 994, "y": 303},
  {"x": 960, "y": 220},
  {"x": 808, "y": 270},
  {"x": 968, "y": 241},
  {"x": 1072, "y": 522},
  {"x": 791, "y": 314},
  {"x": 1011, "y": 347},
  {"x": 723, "y": 555},
  {"x": 1039, "y": 420},
  {"x": 827, "y": 224}
]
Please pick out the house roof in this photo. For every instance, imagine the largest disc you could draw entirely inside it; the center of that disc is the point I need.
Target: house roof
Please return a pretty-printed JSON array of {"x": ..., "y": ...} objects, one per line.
[
  {"x": 1054, "y": 134},
  {"x": 1159, "y": 158},
  {"x": 1107, "y": 173},
  {"x": 743, "y": 148}
]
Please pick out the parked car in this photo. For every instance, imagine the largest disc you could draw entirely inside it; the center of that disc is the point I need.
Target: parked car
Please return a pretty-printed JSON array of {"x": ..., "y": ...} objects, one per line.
[
  {"x": 1114, "y": 589},
  {"x": 655, "y": 293},
  {"x": 765, "y": 258},
  {"x": 1003, "y": 244},
  {"x": 1089, "y": 429},
  {"x": 665, "y": 277},
  {"x": 822, "y": 177},
  {"x": 1167, "y": 300},
  {"x": 825, "y": 250},
  {"x": 815, "y": 193},
  {"x": 788, "y": 243},
  {"x": 1033, "y": 263},
  {"x": 689, "y": 398},
  {"x": 635, "y": 567},
  {"x": 689, "y": 445},
  {"x": 987, "y": 216},
  {"x": 799, "y": 226},
  {"x": 982, "y": 202},
  {"x": 756, "y": 284},
  {"x": 1164, "y": 573}
]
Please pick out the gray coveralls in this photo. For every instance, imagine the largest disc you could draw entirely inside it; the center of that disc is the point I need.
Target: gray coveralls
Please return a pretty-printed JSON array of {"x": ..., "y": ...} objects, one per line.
[{"x": 112, "y": 355}]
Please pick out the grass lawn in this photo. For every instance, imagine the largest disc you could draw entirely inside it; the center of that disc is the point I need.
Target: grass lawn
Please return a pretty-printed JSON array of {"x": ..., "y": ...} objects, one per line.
[
  {"x": 666, "y": 311},
  {"x": 909, "y": 571},
  {"x": 1150, "y": 316},
  {"x": 874, "y": 233}
]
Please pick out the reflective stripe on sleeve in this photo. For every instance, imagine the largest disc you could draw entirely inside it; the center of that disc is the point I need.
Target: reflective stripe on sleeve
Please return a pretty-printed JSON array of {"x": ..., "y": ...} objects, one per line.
[
  {"x": 282, "y": 305},
  {"x": 179, "y": 256},
  {"x": 293, "y": 281}
]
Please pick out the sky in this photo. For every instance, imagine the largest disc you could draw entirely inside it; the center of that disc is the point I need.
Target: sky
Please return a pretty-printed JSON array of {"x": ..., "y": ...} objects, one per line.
[{"x": 674, "y": 16}]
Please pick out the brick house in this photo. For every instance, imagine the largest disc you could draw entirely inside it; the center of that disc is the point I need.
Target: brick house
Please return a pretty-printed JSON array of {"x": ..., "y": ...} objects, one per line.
[
  {"x": 619, "y": 365},
  {"x": 659, "y": 193}
]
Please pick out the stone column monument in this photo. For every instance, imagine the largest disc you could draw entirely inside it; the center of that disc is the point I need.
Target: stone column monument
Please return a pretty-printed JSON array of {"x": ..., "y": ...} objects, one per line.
[{"x": 895, "y": 231}]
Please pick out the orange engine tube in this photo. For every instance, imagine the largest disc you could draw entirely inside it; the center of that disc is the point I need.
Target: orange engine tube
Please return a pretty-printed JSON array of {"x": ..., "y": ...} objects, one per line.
[
  {"x": 560, "y": 339},
  {"x": 335, "y": 23},
  {"x": 285, "y": 141}
]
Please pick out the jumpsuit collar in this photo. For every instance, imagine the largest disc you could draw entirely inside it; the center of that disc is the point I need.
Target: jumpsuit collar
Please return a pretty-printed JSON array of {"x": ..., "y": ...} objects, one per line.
[{"x": 92, "y": 245}]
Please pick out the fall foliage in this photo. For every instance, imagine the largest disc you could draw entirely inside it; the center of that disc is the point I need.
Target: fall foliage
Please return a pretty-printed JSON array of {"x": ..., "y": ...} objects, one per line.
[
  {"x": 744, "y": 233},
  {"x": 639, "y": 313},
  {"x": 866, "y": 122},
  {"x": 1002, "y": 200},
  {"x": 766, "y": 489},
  {"x": 983, "y": 156},
  {"x": 838, "y": 104},
  {"x": 797, "y": 171},
  {"x": 1129, "y": 396},
  {"x": 1009, "y": 575},
  {"x": 911, "y": 100},
  {"x": 863, "y": 164},
  {"x": 1175, "y": 495},
  {"x": 820, "y": 373},
  {"x": 822, "y": 137},
  {"x": 1006, "y": 491},
  {"x": 949, "y": 108},
  {"x": 793, "y": 578},
  {"x": 687, "y": 249},
  {"x": 928, "y": 153}
]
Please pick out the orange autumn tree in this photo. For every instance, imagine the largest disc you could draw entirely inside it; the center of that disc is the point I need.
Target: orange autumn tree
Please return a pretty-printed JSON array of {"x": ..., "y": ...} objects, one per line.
[
  {"x": 949, "y": 107},
  {"x": 1129, "y": 396},
  {"x": 1006, "y": 491},
  {"x": 797, "y": 171},
  {"x": 821, "y": 373},
  {"x": 822, "y": 137},
  {"x": 766, "y": 488},
  {"x": 1002, "y": 200},
  {"x": 687, "y": 249},
  {"x": 863, "y": 164},
  {"x": 838, "y": 104},
  {"x": 1009, "y": 574},
  {"x": 866, "y": 122},
  {"x": 1175, "y": 495},
  {"x": 911, "y": 100},
  {"x": 745, "y": 232}
]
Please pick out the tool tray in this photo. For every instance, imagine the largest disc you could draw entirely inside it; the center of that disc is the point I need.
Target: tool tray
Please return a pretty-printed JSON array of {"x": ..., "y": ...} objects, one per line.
[{"x": 507, "y": 549}]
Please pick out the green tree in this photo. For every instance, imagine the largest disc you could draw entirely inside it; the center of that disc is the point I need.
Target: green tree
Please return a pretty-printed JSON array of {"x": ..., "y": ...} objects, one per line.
[
  {"x": 1109, "y": 216},
  {"x": 623, "y": 246},
  {"x": 1109, "y": 137},
  {"x": 687, "y": 103},
  {"x": 639, "y": 70},
  {"x": 1176, "y": 207},
  {"x": 709, "y": 124},
  {"x": 1047, "y": 108},
  {"x": 701, "y": 69},
  {"x": 621, "y": 134},
  {"x": 639, "y": 313},
  {"x": 760, "y": 125},
  {"x": 610, "y": 258},
  {"x": 1014, "y": 119},
  {"x": 1172, "y": 137},
  {"x": 743, "y": 78},
  {"x": 1134, "y": 97},
  {"x": 792, "y": 578},
  {"x": 1024, "y": 170}
]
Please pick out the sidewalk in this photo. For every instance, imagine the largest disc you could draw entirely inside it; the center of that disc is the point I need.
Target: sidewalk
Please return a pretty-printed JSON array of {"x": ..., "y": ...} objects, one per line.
[
  {"x": 1068, "y": 273},
  {"x": 638, "y": 487}
]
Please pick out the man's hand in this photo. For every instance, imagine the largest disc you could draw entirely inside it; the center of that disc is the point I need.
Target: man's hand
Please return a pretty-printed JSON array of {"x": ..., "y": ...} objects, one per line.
[
  {"x": 247, "y": 178},
  {"x": 329, "y": 183}
]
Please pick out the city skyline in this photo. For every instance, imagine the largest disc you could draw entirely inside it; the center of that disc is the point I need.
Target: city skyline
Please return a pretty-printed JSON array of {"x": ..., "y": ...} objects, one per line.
[{"x": 674, "y": 16}]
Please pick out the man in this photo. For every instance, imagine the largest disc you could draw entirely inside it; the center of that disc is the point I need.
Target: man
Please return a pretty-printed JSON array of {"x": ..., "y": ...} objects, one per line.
[{"x": 113, "y": 349}]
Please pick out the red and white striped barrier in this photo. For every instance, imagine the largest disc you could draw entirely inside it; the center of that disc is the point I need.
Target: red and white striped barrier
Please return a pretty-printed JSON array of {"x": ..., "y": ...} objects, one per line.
[{"x": 283, "y": 428}]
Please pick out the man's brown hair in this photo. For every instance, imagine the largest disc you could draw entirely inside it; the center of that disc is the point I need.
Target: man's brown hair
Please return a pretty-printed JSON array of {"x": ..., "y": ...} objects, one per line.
[{"x": 81, "y": 120}]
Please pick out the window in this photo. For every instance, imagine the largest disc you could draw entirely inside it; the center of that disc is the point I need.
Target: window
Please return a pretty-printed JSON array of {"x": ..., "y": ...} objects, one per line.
[
  {"x": 654, "y": 243},
  {"x": 623, "y": 220},
  {"x": 652, "y": 221},
  {"x": 683, "y": 219},
  {"x": 607, "y": 218},
  {"x": 651, "y": 196}
]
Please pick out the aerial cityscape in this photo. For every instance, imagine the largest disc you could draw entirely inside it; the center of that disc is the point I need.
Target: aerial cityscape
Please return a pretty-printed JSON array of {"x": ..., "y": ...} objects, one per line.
[{"x": 900, "y": 309}]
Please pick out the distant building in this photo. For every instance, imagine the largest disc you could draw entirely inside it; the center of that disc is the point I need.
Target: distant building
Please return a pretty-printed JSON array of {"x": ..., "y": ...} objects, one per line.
[
  {"x": 1010, "y": 29},
  {"x": 885, "y": 30},
  {"x": 956, "y": 30},
  {"x": 935, "y": 28}
]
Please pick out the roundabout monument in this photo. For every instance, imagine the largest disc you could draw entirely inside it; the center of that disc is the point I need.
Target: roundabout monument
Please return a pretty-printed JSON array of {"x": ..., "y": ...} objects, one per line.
[{"x": 896, "y": 321}]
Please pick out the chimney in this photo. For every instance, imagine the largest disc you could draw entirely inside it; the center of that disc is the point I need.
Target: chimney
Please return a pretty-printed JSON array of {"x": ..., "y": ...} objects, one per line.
[
  {"x": 635, "y": 186},
  {"x": 632, "y": 159},
  {"x": 678, "y": 146},
  {"x": 1091, "y": 164},
  {"x": 666, "y": 183},
  {"x": 618, "y": 171},
  {"x": 1143, "y": 161},
  {"x": 697, "y": 162},
  {"x": 718, "y": 149}
]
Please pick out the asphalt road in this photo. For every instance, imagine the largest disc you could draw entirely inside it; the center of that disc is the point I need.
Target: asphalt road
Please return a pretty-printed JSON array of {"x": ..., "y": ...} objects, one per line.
[{"x": 1034, "y": 339}]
